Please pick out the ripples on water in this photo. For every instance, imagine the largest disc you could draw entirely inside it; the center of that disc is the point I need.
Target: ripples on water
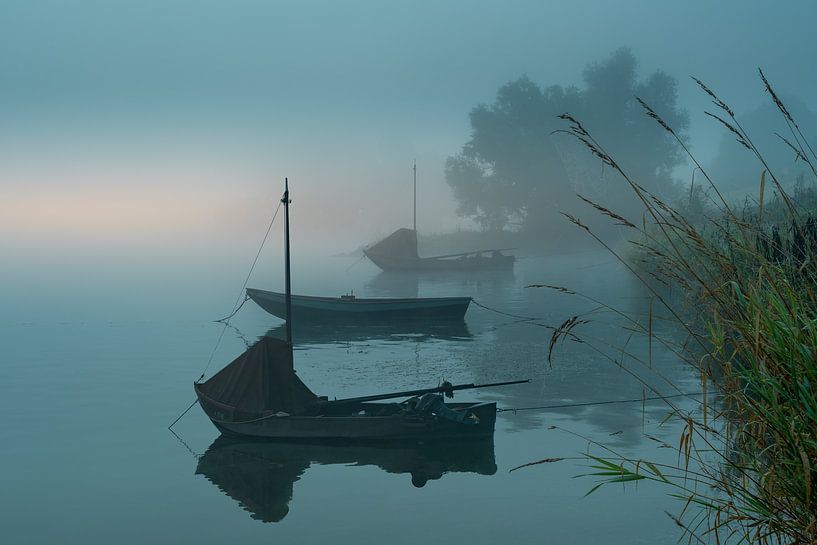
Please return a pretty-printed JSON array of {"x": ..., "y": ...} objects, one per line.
[{"x": 91, "y": 377}]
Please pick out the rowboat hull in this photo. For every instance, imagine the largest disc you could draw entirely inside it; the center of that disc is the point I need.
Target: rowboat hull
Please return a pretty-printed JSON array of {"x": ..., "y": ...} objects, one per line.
[
  {"x": 358, "y": 422},
  {"x": 311, "y": 308}
]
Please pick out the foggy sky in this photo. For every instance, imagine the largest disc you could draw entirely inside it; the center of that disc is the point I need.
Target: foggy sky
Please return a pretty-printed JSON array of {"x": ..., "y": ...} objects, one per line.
[{"x": 134, "y": 120}]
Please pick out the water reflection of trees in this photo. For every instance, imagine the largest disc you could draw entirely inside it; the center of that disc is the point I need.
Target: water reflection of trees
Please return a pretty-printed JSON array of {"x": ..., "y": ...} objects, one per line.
[
  {"x": 261, "y": 475},
  {"x": 505, "y": 347},
  {"x": 579, "y": 374}
]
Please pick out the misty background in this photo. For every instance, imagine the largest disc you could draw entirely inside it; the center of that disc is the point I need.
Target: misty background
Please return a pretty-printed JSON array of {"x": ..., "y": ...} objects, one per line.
[
  {"x": 143, "y": 146},
  {"x": 164, "y": 129}
]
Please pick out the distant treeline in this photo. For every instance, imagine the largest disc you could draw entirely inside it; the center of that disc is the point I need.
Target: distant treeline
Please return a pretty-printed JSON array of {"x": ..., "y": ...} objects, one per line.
[{"x": 518, "y": 172}]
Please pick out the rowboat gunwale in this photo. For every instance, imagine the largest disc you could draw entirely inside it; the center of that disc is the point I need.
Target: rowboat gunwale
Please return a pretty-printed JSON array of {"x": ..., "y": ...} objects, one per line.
[
  {"x": 312, "y": 308},
  {"x": 365, "y": 300}
]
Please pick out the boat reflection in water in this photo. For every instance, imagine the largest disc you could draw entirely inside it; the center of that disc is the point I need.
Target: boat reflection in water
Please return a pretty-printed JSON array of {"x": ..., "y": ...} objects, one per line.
[
  {"x": 337, "y": 332},
  {"x": 410, "y": 284},
  {"x": 260, "y": 475}
]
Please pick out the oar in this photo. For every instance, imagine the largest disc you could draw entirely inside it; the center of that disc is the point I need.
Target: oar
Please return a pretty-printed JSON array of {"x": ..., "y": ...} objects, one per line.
[
  {"x": 411, "y": 393},
  {"x": 470, "y": 253}
]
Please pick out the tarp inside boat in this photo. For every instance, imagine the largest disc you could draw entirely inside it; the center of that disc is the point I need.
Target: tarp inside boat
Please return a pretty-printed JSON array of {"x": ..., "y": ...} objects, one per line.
[{"x": 260, "y": 380}]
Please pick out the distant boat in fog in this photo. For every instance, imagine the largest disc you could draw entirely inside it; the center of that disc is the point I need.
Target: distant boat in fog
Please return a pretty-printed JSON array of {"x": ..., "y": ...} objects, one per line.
[
  {"x": 398, "y": 252},
  {"x": 349, "y": 307}
]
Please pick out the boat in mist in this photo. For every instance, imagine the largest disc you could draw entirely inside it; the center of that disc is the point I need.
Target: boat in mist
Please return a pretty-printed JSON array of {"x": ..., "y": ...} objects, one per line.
[
  {"x": 260, "y": 475},
  {"x": 399, "y": 252},
  {"x": 350, "y": 307},
  {"x": 259, "y": 395}
]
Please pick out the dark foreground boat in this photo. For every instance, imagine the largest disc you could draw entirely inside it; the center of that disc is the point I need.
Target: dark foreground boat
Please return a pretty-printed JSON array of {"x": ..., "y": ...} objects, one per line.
[
  {"x": 260, "y": 475},
  {"x": 259, "y": 395},
  {"x": 349, "y": 307},
  {"x": 398, "y": 252}
]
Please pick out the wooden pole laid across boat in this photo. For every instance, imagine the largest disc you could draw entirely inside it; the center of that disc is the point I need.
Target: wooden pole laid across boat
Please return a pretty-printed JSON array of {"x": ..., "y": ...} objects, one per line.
[
  {"x": 437, "y": 390},
  {"x": 471, "y": 253}
]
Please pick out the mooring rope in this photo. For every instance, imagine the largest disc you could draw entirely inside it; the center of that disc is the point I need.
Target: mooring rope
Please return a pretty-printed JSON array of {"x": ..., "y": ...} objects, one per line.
[
  {"x": 236, "y": 306},
  {"x": 170, "y": 427},
  {"x": 499, "y": 410},
  {"x": 252, "y": 267},
  {"x": 591, "y": 403},
  {"x": 227, "y": 318},
  {"x": 361, "y": 258},
  {"x": 213, "y": 351},
  {"x": 503, "y": 313},
  {"x": 184, "y": 443}
]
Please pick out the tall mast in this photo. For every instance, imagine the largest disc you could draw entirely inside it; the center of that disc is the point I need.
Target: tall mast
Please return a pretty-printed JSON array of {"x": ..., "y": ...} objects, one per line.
[
  {"x": 286, "y": 201},
  {"x": 415, "y": 195}
]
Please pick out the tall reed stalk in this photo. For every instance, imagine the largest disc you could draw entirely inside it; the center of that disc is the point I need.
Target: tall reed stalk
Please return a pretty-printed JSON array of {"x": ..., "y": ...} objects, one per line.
[{"x": 747, "y": 470}]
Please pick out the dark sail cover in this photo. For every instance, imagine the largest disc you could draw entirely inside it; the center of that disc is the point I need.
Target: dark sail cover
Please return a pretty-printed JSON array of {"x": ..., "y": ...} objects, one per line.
[
  {"x": 260, "y": 380},
  {"x": 402, "y": 244}
]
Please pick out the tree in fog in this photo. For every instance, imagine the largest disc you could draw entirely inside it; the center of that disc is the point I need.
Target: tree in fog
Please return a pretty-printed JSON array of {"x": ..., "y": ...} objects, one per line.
[
  {"x": 510, "y": 169},
  {"x": 517, "y": 172},
  {"x": 736, "y": 170},
  {"x": 646, "y": 152}
]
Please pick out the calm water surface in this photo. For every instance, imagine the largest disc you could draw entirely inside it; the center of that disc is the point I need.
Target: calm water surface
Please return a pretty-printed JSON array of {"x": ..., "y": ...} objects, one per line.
[{"x": 97, "y": 362}]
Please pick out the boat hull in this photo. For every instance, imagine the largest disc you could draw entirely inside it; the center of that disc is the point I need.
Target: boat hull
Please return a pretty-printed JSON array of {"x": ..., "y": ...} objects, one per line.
[
  {"x": 352, "y": 425},
  {"x": 459, "y": 264},
  {"x": 324, "y": 308}
]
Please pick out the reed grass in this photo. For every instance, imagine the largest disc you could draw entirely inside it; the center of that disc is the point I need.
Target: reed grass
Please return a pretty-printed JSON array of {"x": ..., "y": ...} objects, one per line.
[{"x": 741, "y": 284}]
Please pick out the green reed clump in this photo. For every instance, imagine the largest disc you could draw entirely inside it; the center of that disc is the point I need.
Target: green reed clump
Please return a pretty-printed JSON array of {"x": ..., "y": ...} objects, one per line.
[{"x": 748, "y": 462}]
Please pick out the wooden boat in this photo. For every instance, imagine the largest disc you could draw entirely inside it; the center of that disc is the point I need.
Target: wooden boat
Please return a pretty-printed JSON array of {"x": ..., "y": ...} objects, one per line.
[
  {"x": 398, "y": 252},
  {"x": 305, "y": 307},
  {"x": 259, "y": 395},
  {"x": 260, "y": 475}
]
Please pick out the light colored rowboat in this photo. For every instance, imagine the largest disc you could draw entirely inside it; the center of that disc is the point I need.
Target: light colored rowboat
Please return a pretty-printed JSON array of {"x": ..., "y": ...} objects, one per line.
[{"x": 349, "y": 306}]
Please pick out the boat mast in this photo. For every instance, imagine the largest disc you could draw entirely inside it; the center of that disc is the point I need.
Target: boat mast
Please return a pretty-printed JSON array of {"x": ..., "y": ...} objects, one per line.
[
  {"x": 288, "y": 297},
  {"x": 415, "y": 195}
]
